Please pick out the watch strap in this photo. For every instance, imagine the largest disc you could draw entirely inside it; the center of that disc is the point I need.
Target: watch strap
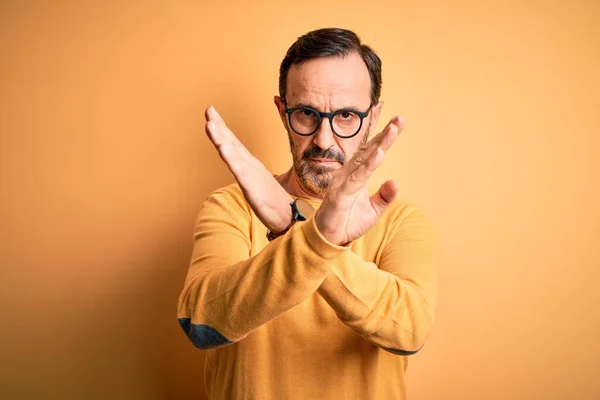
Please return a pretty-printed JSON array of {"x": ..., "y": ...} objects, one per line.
[{"x": 301, "y": 211}]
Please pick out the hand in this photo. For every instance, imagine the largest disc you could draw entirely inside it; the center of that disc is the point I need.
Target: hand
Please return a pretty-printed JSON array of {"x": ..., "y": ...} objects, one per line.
[
  {"x": 347, "y": 212},
  {"x": 268, "y": 199}
]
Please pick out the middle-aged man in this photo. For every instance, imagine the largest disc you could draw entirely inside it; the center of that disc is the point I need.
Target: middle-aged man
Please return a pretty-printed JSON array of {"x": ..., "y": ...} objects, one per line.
[{"x": 303, "y": 285}]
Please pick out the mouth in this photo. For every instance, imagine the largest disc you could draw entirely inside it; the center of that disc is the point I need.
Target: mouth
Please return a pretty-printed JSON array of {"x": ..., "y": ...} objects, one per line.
[{"x": 324, "y": 161}]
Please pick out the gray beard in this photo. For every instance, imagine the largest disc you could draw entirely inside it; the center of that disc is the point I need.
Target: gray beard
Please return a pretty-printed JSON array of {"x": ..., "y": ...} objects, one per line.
[{"x": 316, "y": 179}]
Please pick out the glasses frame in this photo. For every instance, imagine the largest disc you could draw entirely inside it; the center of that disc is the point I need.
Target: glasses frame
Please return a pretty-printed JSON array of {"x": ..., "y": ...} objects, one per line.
[{"x": 330, "y": 116}]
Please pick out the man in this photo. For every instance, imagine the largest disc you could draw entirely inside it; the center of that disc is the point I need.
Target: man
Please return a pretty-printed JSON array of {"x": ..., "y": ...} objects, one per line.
[{"x": 302, "y": 285}]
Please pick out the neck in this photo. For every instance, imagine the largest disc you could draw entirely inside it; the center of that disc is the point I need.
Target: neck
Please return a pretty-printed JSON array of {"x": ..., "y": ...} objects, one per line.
[{"x": 291, "y": 183}]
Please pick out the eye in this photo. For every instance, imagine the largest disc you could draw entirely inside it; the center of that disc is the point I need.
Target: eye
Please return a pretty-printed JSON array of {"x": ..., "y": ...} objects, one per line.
[
  {"x": 346, "y": 116},
  {"x": 307, "y": 113}
]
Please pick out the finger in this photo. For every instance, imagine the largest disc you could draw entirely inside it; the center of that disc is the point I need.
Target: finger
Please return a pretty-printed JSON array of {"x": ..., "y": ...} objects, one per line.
[
  {"x": 382, "y": 141},
  {"x": 359, "y": 177},
  {"x": 215, "y": 118},
  {"x": 216, "y": 128},
  {"x": 220, "y": 134},
  {"x": 384, "y": 196},
  {"x": 213, "y": 134},
  {"x": 208, "y": 113},
  {"x": 387, "y": 137},
  {"x": 231, "y": 150},
  {"x": 366, "y": 161}
]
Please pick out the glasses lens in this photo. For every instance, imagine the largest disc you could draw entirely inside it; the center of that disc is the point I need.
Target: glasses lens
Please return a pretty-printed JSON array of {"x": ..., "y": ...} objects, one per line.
[
  {"x": 304, "y": 121},
  {"x": 346, "y": 123}
]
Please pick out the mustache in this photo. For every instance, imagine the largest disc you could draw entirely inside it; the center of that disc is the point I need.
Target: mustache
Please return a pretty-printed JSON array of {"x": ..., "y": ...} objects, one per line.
[{"x": 329, "y": 154}]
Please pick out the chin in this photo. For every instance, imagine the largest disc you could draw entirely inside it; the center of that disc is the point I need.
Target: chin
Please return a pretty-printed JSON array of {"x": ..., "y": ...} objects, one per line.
[
  {"x": 318, "y": 182},
  {"x": 320, "y": 170},
  {"x": 315, "y": 178}
]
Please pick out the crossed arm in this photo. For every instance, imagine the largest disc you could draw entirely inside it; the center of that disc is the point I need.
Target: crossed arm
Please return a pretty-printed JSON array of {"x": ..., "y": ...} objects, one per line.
[{"x": 228, "y": 294}]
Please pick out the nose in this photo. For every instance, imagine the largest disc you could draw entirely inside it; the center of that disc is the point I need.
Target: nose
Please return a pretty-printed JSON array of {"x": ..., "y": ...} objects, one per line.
[{"x": 324, "y": 136}]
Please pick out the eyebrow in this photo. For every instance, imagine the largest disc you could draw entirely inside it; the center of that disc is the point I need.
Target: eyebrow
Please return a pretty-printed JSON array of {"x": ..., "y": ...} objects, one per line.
[{"x": 349, "y": 107}]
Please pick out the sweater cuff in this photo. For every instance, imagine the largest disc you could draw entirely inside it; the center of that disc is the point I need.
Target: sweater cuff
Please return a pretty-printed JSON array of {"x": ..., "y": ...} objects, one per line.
[{"x": 323, "y": 247}]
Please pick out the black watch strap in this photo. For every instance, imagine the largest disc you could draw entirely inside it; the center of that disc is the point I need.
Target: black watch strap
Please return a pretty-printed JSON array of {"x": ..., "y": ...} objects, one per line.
[{"x": 301, "y": 211}]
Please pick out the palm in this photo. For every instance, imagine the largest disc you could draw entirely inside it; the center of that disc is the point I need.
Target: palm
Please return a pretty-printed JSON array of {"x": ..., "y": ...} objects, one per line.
[
  {"x": 267, "y": 198},
  {"x": 361, "y": 217},
  {"x": 347, "y": 211}
]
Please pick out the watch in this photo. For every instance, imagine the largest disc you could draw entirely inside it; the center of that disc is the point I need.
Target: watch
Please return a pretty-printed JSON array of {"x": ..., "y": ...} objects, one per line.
[{"x": 301, "y": 211}]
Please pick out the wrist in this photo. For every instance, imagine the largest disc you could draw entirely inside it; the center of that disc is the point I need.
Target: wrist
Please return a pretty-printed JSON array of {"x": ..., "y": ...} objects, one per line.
[
  {"x": 285, "y": 217},
  {"x": 297, "y": 210},
  {"x": 321, "y": 227}
]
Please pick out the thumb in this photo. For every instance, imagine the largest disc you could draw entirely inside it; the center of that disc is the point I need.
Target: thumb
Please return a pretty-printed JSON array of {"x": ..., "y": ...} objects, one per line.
[{"x": 384, "y": 196}]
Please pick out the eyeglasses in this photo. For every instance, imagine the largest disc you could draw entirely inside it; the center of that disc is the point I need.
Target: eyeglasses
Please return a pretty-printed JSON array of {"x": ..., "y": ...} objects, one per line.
[{"x": 345, "y": 123}]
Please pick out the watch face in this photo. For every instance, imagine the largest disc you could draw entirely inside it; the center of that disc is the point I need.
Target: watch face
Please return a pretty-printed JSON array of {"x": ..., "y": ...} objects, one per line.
[{"x": 305, "y": 210}]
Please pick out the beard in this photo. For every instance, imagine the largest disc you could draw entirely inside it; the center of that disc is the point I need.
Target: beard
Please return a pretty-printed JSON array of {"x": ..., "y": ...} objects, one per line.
[{"x": 316, "y": 178}]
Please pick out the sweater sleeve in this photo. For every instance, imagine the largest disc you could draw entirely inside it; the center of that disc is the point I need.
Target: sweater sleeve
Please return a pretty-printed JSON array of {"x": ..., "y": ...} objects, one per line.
[
  {"x": 227, "y": 294},
  {"x": 391, "y": 304}
]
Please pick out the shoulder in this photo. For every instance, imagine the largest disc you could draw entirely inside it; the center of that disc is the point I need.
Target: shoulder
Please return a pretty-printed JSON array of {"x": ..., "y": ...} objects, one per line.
[
  {"x": 403, "y": 215},
  {"x": 229, "y": 198},
  {"x": 401, "y": 209},
  {"x": 231, "y": 191}
]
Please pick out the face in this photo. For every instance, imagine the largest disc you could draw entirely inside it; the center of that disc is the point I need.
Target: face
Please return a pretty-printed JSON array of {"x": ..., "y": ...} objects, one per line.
[{"x": 327, "y": 85}]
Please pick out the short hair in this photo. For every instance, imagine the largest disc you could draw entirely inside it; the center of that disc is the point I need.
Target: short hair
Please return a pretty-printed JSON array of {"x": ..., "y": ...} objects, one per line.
[{"x": 331, "y": 42}]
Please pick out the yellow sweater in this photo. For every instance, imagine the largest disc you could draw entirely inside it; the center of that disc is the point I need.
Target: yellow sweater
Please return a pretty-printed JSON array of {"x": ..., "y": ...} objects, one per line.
[{"x": 299, "y": 317}]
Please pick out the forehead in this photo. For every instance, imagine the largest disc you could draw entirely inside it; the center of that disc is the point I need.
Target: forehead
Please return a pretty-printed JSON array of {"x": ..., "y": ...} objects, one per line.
[{"x": 330, "y": 83}]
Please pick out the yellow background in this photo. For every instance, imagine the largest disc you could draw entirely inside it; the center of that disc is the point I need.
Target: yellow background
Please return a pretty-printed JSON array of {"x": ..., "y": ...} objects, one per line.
[{"x": 104, "y": 163}]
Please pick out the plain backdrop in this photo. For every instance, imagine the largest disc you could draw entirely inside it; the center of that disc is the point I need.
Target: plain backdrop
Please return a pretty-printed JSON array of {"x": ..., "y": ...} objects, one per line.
[{"x": 104, "y": 163}]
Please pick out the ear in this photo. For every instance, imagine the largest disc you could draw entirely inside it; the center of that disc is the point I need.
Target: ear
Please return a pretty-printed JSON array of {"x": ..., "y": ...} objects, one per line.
[
  {"x": 375, "y": 113},
  {"x": 280, "y": 104}
]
